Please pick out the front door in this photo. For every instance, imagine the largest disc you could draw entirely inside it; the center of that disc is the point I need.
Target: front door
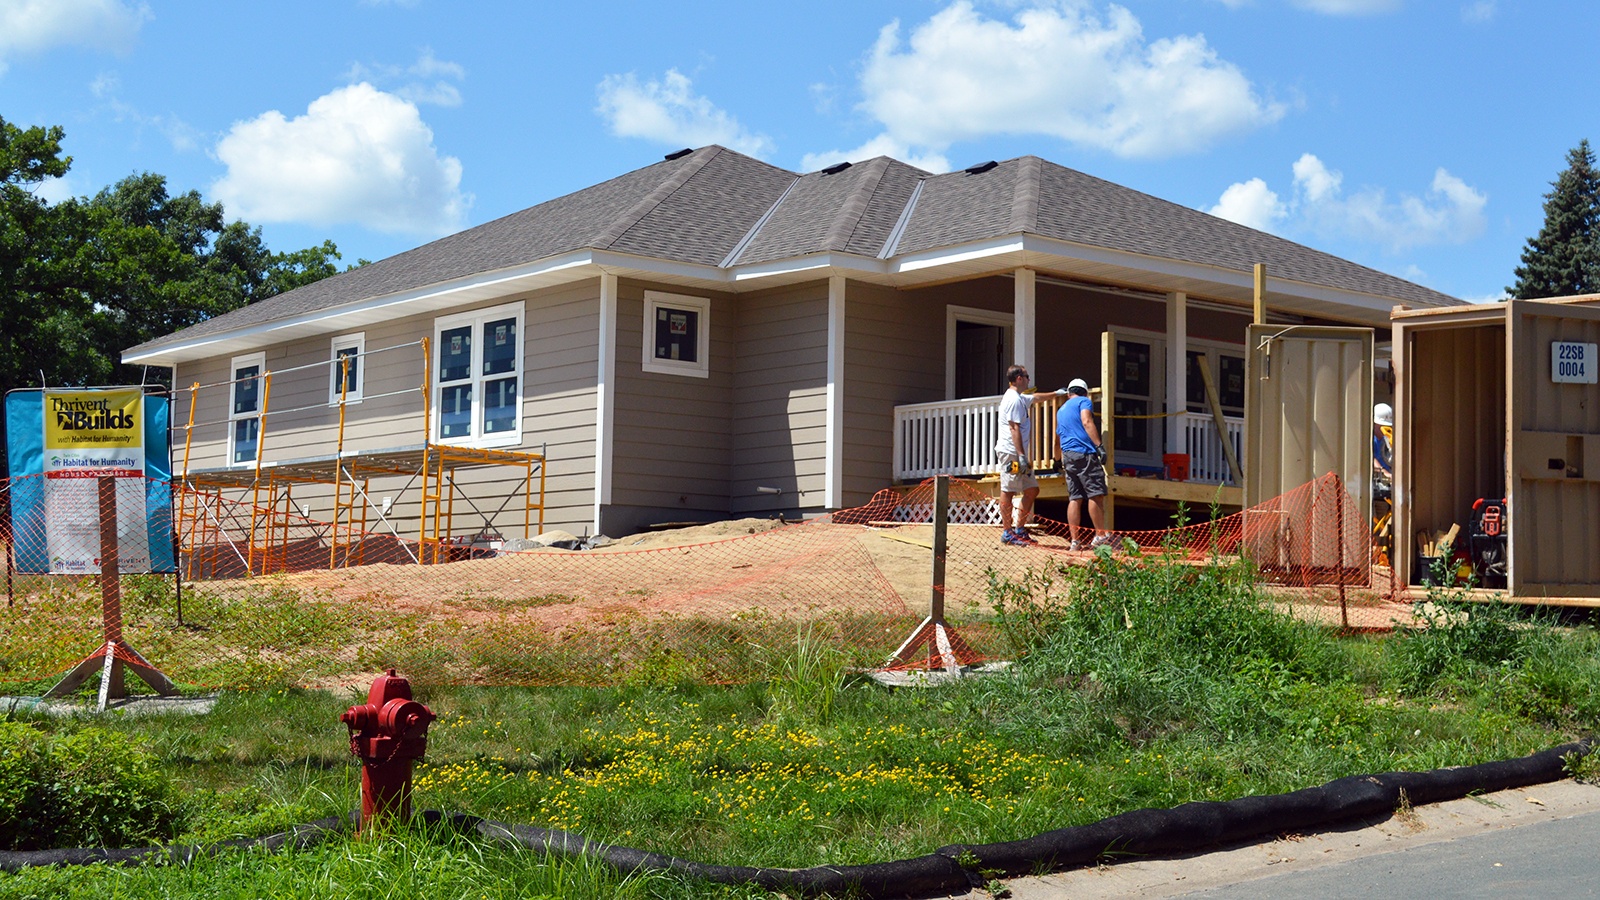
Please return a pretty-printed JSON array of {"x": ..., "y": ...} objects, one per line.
[{"x": 980, "y": 363}]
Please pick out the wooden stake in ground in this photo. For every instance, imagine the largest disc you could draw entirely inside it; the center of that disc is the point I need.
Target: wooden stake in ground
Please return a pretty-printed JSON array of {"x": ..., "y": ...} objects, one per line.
[
  {"x": 115, "y": 653},
  {"x": 935, "y": 645}
]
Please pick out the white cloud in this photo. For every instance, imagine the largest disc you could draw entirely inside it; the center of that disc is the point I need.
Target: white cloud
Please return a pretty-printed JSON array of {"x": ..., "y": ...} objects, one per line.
[
  {"x": 1314, "y": 179},
  {"x": 670, "y": 112},
  {"x": 55, "y": 190},
  {"x": 1056, "y": 69},
  {"x": 426, "y": 81},
  {"x": 882, "y": 145},
  {"x": 357, "y": 155},
  {"x": 34, "y": 26},
  {"x": 1251, "y": 203},
  {"x": 1349, "y": 7},
  {"x": 1449, "y": 212},
  {"x": 107, "y": 88},
  {"x": 1480, "y": 12}
]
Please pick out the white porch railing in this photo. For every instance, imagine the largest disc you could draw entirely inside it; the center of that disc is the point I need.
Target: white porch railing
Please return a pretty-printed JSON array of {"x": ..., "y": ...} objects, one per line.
[
  {"x": 1207, "y": 462},
  {"x": 953, "y": 437},
  {"x": 956, "y": 437}
]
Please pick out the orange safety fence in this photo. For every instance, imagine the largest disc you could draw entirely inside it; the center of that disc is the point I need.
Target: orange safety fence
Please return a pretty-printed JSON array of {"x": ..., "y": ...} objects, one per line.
[{"x": 260, "y": 598}]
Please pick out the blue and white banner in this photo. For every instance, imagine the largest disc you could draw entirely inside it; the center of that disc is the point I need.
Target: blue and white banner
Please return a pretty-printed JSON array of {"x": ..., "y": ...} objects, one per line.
[{"x": 59, "y": 444}]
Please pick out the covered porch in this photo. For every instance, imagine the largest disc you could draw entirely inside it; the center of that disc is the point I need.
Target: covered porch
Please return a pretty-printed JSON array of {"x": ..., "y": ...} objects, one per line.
[{"x": 1170, "y": 400}]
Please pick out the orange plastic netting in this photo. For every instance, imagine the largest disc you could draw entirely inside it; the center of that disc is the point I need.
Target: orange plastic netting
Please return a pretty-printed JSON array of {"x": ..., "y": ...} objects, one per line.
[{"x": 265, "y": 598}]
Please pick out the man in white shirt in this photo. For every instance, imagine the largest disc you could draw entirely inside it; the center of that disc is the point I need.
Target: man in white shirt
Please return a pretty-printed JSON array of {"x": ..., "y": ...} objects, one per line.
[{"x": 1016, "y": 467}]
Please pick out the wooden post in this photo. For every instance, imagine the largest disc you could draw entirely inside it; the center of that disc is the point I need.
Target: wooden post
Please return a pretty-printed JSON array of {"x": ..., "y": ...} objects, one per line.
[
  {"x": 941, "y": 518},
  {"x": 111, "y": 686},
  {"x": 1261, "y": 293},
  {"x": 1108, "y": 427},
  {"x": 114, "y": 652},
  {"x": 1221, "y": 424}
]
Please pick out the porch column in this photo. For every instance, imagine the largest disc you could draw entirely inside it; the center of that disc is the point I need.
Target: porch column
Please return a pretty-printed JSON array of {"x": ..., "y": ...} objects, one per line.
[
  {"x": 833, "y": 452},
  {"x": 1025, "y": 305},
  {"x": 605, "y": 399},
  {"x": 1177, "y": 366}
]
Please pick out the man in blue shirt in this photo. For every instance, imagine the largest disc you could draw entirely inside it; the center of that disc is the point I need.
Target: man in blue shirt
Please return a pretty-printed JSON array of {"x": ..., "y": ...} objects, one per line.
[{"x": 1082, "y": 464}]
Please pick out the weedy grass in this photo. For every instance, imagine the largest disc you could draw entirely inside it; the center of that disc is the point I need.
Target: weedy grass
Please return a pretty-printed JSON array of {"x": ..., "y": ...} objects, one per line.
[{"x": 1137, "y": 683}]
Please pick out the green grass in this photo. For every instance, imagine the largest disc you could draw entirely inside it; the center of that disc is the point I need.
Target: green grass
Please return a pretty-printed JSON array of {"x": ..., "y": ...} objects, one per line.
[{"x": 1137, "y": 684}]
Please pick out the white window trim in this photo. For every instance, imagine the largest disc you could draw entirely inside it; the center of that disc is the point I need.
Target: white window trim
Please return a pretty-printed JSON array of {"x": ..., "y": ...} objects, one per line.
[
  {"x": 700, "y": 368},
  {"x": 259, "y": 360},
  {"x": 954, "y": 314},
  {"x": 476, "y": 318},
  {"x": 358, "y": 341}
]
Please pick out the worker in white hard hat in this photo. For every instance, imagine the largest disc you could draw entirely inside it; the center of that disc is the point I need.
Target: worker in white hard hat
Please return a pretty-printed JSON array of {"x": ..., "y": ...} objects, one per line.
[{"x": 1383, "y": 449}]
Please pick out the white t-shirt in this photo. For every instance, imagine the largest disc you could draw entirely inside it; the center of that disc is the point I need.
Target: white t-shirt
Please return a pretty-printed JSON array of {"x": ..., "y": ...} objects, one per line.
[{"x": 1014, "y": 408}]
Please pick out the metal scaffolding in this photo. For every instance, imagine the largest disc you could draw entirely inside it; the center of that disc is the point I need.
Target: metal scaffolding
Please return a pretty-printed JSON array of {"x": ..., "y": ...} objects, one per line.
[{"x": 216, "y": 535}]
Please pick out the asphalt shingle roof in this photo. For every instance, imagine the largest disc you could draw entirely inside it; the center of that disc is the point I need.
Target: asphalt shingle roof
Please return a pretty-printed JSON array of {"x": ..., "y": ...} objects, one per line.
[{"x": 701, "y": 207}]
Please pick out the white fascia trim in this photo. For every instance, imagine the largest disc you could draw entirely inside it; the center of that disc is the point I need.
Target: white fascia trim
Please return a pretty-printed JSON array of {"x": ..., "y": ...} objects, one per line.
[
  {"x": 838, "y": 262},
  {"x": 571, "y": 263},
  {"x": 929, "y": 259}
]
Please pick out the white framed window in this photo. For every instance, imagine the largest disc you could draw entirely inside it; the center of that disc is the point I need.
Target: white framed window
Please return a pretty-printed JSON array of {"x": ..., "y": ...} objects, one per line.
[
  {"x": 677, "y": 334},
  {"x": 347, "y": 368},
  {"x": 244, "y": 408},
  {"x": 478, "y": 395}
]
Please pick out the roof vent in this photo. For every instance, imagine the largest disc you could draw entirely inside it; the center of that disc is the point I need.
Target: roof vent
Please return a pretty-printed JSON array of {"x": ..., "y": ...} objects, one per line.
[
  {"x": 836, "y": 168},
  {"x": 981, "y": 168},
  {"x": 680, "y": 154}
]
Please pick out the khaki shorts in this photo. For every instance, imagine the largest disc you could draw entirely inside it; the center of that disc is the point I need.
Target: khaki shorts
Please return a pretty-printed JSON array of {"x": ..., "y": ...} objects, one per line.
[{"x": 1016, "y": 484}]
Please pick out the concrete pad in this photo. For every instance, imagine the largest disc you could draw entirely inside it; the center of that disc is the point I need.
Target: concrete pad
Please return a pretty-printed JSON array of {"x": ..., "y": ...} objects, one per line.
[
  {"x": 1448, "y": 821},
  {"x": 144, "y": 705}
]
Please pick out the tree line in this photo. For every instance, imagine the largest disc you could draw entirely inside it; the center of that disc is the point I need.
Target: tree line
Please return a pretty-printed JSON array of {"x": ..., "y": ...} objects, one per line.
[{"x": 83, "y": 279}]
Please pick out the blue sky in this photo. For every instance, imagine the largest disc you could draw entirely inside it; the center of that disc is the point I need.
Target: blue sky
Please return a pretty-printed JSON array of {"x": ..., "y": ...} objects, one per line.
[{"x": 1414, "y": 137}]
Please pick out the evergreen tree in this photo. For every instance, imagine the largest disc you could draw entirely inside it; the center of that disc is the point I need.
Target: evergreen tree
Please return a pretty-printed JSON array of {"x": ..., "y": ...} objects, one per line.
[{"x": 1564, "y": 259}]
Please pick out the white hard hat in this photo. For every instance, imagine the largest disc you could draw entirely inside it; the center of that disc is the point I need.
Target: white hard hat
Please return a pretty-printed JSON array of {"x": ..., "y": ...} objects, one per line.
[
  {"x": 1078, "y": 384},
  {"x": 1383, "y": 414}
]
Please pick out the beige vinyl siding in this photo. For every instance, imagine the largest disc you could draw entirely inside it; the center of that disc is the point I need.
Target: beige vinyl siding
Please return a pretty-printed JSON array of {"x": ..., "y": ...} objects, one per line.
[
  {"x": 670, "y": 438},
  {"x": 560, "y": 335},
  {"x": 780, "y": 399},
  {"x": 894, "y": 355}
]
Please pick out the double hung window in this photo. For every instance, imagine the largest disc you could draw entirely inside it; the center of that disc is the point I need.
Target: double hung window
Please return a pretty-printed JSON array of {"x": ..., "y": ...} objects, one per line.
[
  {"x": 479, "y": 377},
  {"x": 244, "y": 408}
]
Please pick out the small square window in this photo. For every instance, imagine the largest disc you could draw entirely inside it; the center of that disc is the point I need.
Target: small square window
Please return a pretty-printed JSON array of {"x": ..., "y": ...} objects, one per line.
[
  {"x": 677, "y": 333},
  {"x": 346, "y": 368}
]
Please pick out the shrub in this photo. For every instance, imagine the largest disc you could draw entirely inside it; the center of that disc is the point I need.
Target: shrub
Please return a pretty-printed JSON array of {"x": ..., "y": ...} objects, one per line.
[{"x": 92, "y": 788}]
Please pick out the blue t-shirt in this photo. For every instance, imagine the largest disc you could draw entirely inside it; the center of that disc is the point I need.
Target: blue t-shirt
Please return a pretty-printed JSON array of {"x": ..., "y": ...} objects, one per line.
[{"x": 1069, "y": 425}]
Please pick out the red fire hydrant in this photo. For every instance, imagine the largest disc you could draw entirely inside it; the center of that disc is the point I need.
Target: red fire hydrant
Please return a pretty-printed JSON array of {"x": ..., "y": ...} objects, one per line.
[{"x": 387, "y": 735}]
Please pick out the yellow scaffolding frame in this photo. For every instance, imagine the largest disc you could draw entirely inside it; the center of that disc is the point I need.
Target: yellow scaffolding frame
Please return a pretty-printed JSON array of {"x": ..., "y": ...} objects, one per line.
[{"x": 270, "y": 486}]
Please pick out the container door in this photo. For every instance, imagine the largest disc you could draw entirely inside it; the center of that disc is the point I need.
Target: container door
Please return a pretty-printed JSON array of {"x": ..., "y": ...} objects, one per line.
[
  {"x": 1308, "y": 413},
  {"x": 1553, "y": 417}
]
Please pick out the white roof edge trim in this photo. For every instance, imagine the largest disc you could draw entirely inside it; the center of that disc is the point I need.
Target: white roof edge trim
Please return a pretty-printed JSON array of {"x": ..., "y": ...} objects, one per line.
[
  {"x": 549, "y": 266},
  {"x": 843, "y": 262}
]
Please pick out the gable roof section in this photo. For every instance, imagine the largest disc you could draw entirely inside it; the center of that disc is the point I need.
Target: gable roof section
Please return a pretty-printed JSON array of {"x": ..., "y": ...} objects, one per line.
[
  {"x": 718, "y": 210},
  {"x": 850, "y": 211}
]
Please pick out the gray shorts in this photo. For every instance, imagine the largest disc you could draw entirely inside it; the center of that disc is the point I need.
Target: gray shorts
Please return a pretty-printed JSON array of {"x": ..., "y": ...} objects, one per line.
[
  {"x": 1016, "y": 484},
  {"x": 1085, "y": 478}
]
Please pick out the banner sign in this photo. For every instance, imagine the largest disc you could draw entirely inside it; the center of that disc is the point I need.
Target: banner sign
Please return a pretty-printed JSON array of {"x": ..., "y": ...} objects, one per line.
[{"x": 59, "y": 444}]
